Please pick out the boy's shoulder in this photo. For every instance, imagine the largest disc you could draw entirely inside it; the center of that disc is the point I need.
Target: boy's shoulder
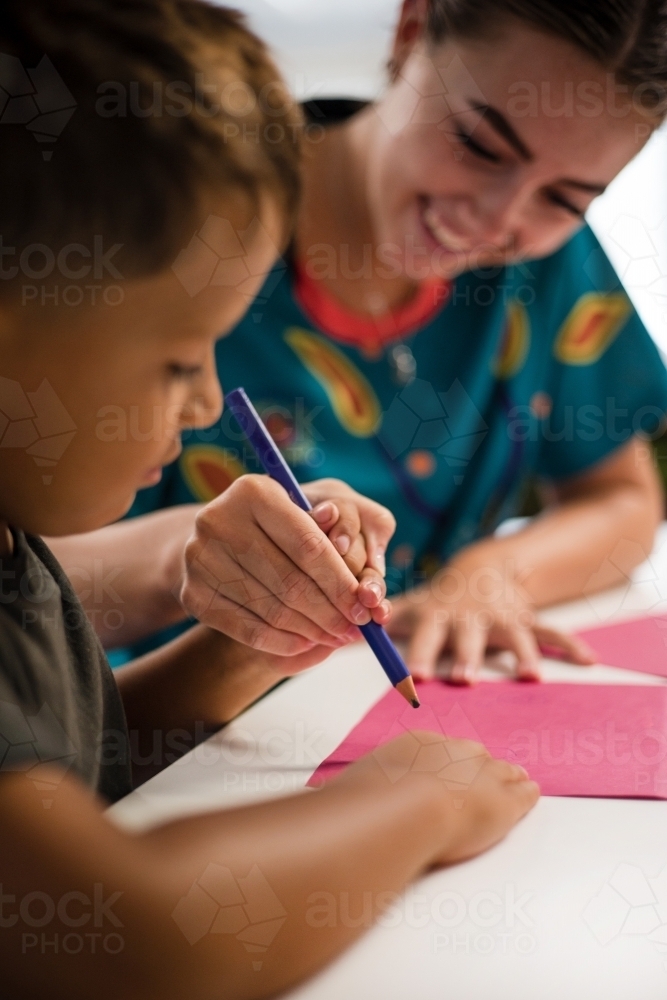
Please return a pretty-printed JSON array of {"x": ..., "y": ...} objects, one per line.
[{"x": 57, "y": 694}]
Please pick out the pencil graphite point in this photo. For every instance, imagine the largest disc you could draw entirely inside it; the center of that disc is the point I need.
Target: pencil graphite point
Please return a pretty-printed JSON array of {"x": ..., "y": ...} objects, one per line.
[{"x": 406, "y": 687}]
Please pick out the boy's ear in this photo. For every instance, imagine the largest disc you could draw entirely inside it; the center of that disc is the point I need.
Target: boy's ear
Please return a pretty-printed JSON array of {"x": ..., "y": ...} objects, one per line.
[{"x": 410, "y": 29}]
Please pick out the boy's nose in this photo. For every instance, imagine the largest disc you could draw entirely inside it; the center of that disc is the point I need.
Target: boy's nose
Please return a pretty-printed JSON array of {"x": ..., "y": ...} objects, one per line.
[{"x": 205, "y": 405}]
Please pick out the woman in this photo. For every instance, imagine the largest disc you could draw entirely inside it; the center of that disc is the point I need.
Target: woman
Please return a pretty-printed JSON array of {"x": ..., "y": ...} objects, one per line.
[{"x": 447, "y": 327}]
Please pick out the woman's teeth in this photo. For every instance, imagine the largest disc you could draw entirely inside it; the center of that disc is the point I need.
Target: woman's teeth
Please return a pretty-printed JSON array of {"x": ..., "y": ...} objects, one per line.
[{"x": 440, "y": 233}]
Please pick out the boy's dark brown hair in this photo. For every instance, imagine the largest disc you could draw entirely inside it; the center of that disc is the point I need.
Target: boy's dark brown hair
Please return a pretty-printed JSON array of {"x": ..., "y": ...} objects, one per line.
[
  {"x": 171, "y": 99},
  {"x": 626, "y": 37}
]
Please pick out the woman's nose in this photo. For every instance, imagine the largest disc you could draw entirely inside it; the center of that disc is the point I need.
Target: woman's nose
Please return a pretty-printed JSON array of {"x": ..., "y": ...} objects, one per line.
[{"x": 492, "y": 218}]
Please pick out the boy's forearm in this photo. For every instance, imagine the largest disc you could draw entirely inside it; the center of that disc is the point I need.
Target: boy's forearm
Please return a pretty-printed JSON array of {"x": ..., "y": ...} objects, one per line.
[
  {"x": 333, "y": 860},
  {"x": 187, "y": 689},
  {"x": 128, "y": 575},
  {"x": 273, "y": 868}
]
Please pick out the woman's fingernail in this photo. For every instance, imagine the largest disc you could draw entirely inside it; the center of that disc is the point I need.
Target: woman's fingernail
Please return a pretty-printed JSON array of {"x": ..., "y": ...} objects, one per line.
[
  {"x": 529, "y": 673},
  {"x": 323, "y": 512},
  {"x": 352, "y": 634},
  {"x": 342, "y": 543},
  {"x": 360, "y": 614},
  {"x": 375, "y": 589}
]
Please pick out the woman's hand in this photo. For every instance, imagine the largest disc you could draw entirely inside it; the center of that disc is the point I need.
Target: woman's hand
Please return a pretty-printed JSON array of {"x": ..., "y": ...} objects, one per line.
[
  {"x": 473, "y": 604},
  {"x": 264, "y": 572}
]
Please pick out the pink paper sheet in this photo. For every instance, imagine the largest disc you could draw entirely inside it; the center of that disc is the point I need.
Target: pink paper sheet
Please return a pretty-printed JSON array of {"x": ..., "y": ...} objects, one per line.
[
  {"x": 639, "y": 645},
  {"x": 573, "y": 739}
]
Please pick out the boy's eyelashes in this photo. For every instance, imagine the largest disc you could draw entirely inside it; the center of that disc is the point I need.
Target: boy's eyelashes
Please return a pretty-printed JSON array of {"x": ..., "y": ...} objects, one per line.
[{"x": 180, "y": 371}]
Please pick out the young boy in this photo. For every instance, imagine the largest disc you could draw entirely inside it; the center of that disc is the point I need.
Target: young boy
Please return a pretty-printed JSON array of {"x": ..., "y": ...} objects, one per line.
[{"x": 111, "y": 203}]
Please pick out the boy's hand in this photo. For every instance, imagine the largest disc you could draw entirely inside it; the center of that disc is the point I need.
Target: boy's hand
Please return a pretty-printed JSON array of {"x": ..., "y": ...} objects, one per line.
[
  {"x": 264, "y": 572},
  {"x": 360, "y": 530},
  {"x": 478, "y": 798}
]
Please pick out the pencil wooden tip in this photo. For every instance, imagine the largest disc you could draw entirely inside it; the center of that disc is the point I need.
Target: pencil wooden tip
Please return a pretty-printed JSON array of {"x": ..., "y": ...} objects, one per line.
[{"x": 406, "y": 687}]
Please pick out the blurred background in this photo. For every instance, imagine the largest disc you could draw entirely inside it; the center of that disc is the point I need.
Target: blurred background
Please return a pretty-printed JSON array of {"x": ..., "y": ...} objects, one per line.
[{"x": 340, "y": 48}]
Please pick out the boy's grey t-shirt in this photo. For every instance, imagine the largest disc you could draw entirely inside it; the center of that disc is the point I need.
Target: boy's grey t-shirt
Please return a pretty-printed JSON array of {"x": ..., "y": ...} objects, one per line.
[{"x": 59, "y": 702}]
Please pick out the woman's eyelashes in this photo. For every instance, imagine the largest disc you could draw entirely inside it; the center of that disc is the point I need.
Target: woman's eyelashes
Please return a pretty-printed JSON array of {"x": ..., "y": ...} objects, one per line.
[
  {"x": 483, "y": 153},
  {"x": 561, "y": 202},
  {"x": 466, "y": 139}
]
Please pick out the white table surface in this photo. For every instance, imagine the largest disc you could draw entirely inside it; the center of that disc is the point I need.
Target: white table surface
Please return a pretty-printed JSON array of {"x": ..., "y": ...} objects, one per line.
[{"x": 573, "y": 903}]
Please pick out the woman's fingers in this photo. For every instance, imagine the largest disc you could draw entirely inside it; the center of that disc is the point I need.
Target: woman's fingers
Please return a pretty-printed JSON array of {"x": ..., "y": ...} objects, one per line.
[
  {"x": 429, "y": 636},
  {"x": 308, "y": 549},
  {"x": 347, "y": 529},
  {"x": 355, "y": 560},
  {"x": 362, "y": 529},
  {"x": 325, "y": 515},
  {"x": 403, "y": 618},
  {"x": 571, "y": 647},
  {"x": 214, "y": 574},
  {"x": 372, "y": 588},
  {"x": 377, "y": 526},
  {"x": 242, "y": 624},
  {"x": 382, "y": 614},
  {"x": 523, "y": 644},
  {"x": 468, "y": 643}
]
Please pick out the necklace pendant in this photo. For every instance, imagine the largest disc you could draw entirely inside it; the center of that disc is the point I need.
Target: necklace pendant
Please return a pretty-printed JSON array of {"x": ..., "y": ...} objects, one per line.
[{"x": 403, "y": 364}]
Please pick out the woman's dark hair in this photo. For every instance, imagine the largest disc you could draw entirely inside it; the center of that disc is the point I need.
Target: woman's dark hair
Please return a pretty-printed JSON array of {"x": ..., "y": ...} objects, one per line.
[{"x": 626, "y": 37}]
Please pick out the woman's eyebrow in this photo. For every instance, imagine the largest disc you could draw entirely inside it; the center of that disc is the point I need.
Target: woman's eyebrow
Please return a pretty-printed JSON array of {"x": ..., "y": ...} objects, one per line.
[
  {"x": 588, "y": 186},
  {"x": 498, "y": 122}
]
